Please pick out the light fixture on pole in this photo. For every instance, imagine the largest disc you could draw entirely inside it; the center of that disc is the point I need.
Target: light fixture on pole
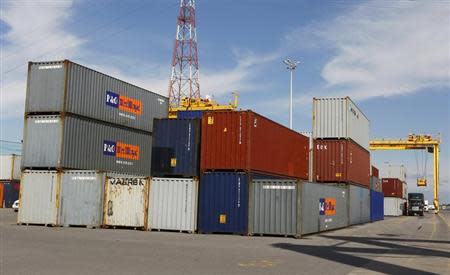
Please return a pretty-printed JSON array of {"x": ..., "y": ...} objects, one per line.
[{"x": 291, "y": 65}]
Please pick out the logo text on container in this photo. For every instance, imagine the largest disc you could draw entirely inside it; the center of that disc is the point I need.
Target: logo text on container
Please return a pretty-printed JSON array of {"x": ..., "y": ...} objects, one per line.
[
  {"x": 120, "y": 150},
  {"x": 123, "y": 103},
  {"x": 327, "y": 206}
]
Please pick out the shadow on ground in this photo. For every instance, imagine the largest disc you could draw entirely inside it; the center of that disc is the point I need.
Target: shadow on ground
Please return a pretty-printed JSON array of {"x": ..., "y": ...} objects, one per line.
[{"x": 349, "y": 255}]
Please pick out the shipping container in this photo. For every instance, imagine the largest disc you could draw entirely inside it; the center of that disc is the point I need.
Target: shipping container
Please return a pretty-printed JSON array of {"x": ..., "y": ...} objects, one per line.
[
  {"x": 81, "y": 198},
  {"x": 340, "y": 118},
  {"x": 359, "y": 199},
  {"x": 394, "y": 206},
  {"x": 273, "y": 207},
  {"x": 173, "y": 204},
  {"x": 11, "y": 191},
  {"x": 223, "y": 202},
  {"x": 394, "y": 171},
  {"x": 10, "y": 167},
  {"x": 39, "y": 197},
  {"x": 374, "y": 172},
  {"x": 375, "y": 184},
  {"x": 324, "y": 207},
  {"x": 76, "y": 89},
  {"x": 341, "y": 161},
  {"x": 244, "y": 140},
  {"x": 376, "y": 206},
  {"x": 73, "y": 143},
  {"x": 394, "y": 188},
  {"x": 126, "y": 202},
  {"x": 176, "y": 148},
  {"x": 2, "y": 200},
  {"x": 190, "y": 114}
]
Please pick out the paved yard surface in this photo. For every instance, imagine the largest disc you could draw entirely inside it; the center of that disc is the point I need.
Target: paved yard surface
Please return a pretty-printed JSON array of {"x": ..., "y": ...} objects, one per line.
[{"x": 404, "y": 245}]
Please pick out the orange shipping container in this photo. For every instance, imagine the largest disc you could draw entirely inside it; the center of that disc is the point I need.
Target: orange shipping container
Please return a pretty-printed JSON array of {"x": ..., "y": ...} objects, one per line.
[
  {"x": 1, "y": 195},
  {"x": 247, "y": 141},
  {"x": 341, "y": 160}
]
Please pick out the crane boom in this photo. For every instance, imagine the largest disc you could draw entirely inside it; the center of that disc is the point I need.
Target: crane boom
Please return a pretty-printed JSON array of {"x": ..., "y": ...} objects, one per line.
[{"x": 415, "y": 142}]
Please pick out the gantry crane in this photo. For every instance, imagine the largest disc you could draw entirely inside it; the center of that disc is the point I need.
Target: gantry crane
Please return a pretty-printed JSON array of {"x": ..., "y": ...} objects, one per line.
[
  {"x": 184, "y": 84},
  {"x": 415, "y": 142}
]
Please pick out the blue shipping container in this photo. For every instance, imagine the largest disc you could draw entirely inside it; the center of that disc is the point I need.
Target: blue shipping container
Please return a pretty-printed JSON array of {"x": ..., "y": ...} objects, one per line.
[
  {"x": 10, "y": 193},
  {"x": 190, "y": 114},
  {"x": 223, "y": 202},
  {"x": 376, "y": 206},
  {"x": 176, "y": 147}
]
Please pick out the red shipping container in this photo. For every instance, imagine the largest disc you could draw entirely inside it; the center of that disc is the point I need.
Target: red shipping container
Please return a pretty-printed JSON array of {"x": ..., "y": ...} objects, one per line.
[
  {"x": 392, "y": 187},
  {"x": 244, "y": 140},
  {"x": 341, "y": 160},
  {"x": 375, "y": 172}
]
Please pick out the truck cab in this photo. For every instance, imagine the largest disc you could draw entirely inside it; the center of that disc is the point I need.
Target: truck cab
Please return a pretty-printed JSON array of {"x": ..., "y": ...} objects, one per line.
[{"x": 416, "y": 204}]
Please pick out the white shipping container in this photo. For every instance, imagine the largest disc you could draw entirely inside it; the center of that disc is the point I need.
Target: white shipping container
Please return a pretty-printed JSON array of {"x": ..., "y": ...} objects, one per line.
[
  {"x": 38, "y": 197},
  {"x": 340, "y": 118},
  {"x": 10, "y": 167},
  {"x": 393, "y": 206},
  {"x": 126, "y": 202},
  {"x": 173, "y": 204}
]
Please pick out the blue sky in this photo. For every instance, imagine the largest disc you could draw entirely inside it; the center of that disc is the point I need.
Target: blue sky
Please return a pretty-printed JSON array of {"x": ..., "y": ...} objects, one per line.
[{"x": 391, "y": 57}]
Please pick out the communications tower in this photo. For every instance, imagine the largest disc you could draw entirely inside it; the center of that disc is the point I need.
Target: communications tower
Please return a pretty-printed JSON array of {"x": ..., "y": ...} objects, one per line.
[{"x": 184, "y": 79}]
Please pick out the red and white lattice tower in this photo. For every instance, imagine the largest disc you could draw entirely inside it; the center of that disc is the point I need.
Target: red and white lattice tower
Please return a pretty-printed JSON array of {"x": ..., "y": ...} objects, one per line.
[{"x": 184, "y": 80}]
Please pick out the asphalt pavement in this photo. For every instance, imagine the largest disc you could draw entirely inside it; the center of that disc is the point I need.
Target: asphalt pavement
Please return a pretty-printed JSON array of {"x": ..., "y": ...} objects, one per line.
[{"x": 401, "y": 245}]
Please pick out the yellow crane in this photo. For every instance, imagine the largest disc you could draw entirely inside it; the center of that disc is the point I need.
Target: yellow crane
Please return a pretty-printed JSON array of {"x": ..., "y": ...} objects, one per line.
[
  {"x": 200, "y": 104},
  {"x": 415, "y": 142}
]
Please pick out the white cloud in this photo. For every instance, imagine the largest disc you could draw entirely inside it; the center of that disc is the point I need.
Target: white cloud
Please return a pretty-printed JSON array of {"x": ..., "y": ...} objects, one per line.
[{"x": 380, "y": 51}]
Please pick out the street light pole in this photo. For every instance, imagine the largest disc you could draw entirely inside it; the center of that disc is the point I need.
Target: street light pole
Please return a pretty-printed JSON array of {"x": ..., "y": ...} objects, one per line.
[{"x": 291, "y": 66}]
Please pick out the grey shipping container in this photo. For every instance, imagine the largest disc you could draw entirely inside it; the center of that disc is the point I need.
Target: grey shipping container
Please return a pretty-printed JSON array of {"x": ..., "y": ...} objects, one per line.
[
  {"x": 340, "y": 118},
  {"x": 173, "y": 204},
  {"x": 64, "y": 86},
  {"x": 81, "y": 198},
  {"x": 359, "y": 199},
  {"x": 39, "y": 199},
  {"x": 273, "y": 207},
  {"x": 324, "y": 207},
  {"x": 68, "y": 142}
]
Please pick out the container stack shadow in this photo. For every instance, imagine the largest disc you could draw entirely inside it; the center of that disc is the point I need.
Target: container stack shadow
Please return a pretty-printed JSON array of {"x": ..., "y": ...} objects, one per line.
[{"x": 87, "y": 148}]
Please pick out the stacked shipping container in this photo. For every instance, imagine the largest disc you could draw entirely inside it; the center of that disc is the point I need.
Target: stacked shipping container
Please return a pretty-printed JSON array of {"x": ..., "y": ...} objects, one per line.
[
  {"x": 340, "y": 154},
  {"x": 241, "y": 153},
  {"x": 9, "y": 179},
  {"x": 92, "y": 122},
  {"x": 376, "y": 196},
  {"x": 175, "y": 170}
]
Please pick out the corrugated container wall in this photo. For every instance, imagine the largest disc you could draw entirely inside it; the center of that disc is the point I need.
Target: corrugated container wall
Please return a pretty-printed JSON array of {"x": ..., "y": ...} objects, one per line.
[
  {"x": 173, "y": 204},
  {"x": 10, "y": 167},
  {"x": 176, "y": 147},
  {"x": 359, "y": 199},
  {"x": 11, "y": 191},
  {"x": 76, "y": 89},
  {"x": 273, "y": 207},
  {"x": 39, "y": 200},
  {"x": 81, "y": 198},
  {"x": 341, "y": 161},
  {"x": 394, "y": 171},
  {"x": 376, "y": 206},
  {"x": 74, "y": 143},
  {"x": 310, "y": 155},
  {"x": 393, "y": 188},
  {"x": 324, "y": 207},
  {"x": 190, "y": 114},
  {"x": 247, "y": 141},
  {"x": 223, "y": 202},
  {"x": 340, "y": 118},
  {"x": 126, "y": 202},
  {"x": 393, "y": 206}
]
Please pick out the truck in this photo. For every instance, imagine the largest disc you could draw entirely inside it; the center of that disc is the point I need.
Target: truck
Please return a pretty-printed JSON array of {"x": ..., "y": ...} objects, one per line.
[{"x": 416, "y": 204}]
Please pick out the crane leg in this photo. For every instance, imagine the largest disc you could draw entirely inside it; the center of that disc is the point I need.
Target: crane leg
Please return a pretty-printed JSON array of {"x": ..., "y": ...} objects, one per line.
[{"x": 436, "y": 177}]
